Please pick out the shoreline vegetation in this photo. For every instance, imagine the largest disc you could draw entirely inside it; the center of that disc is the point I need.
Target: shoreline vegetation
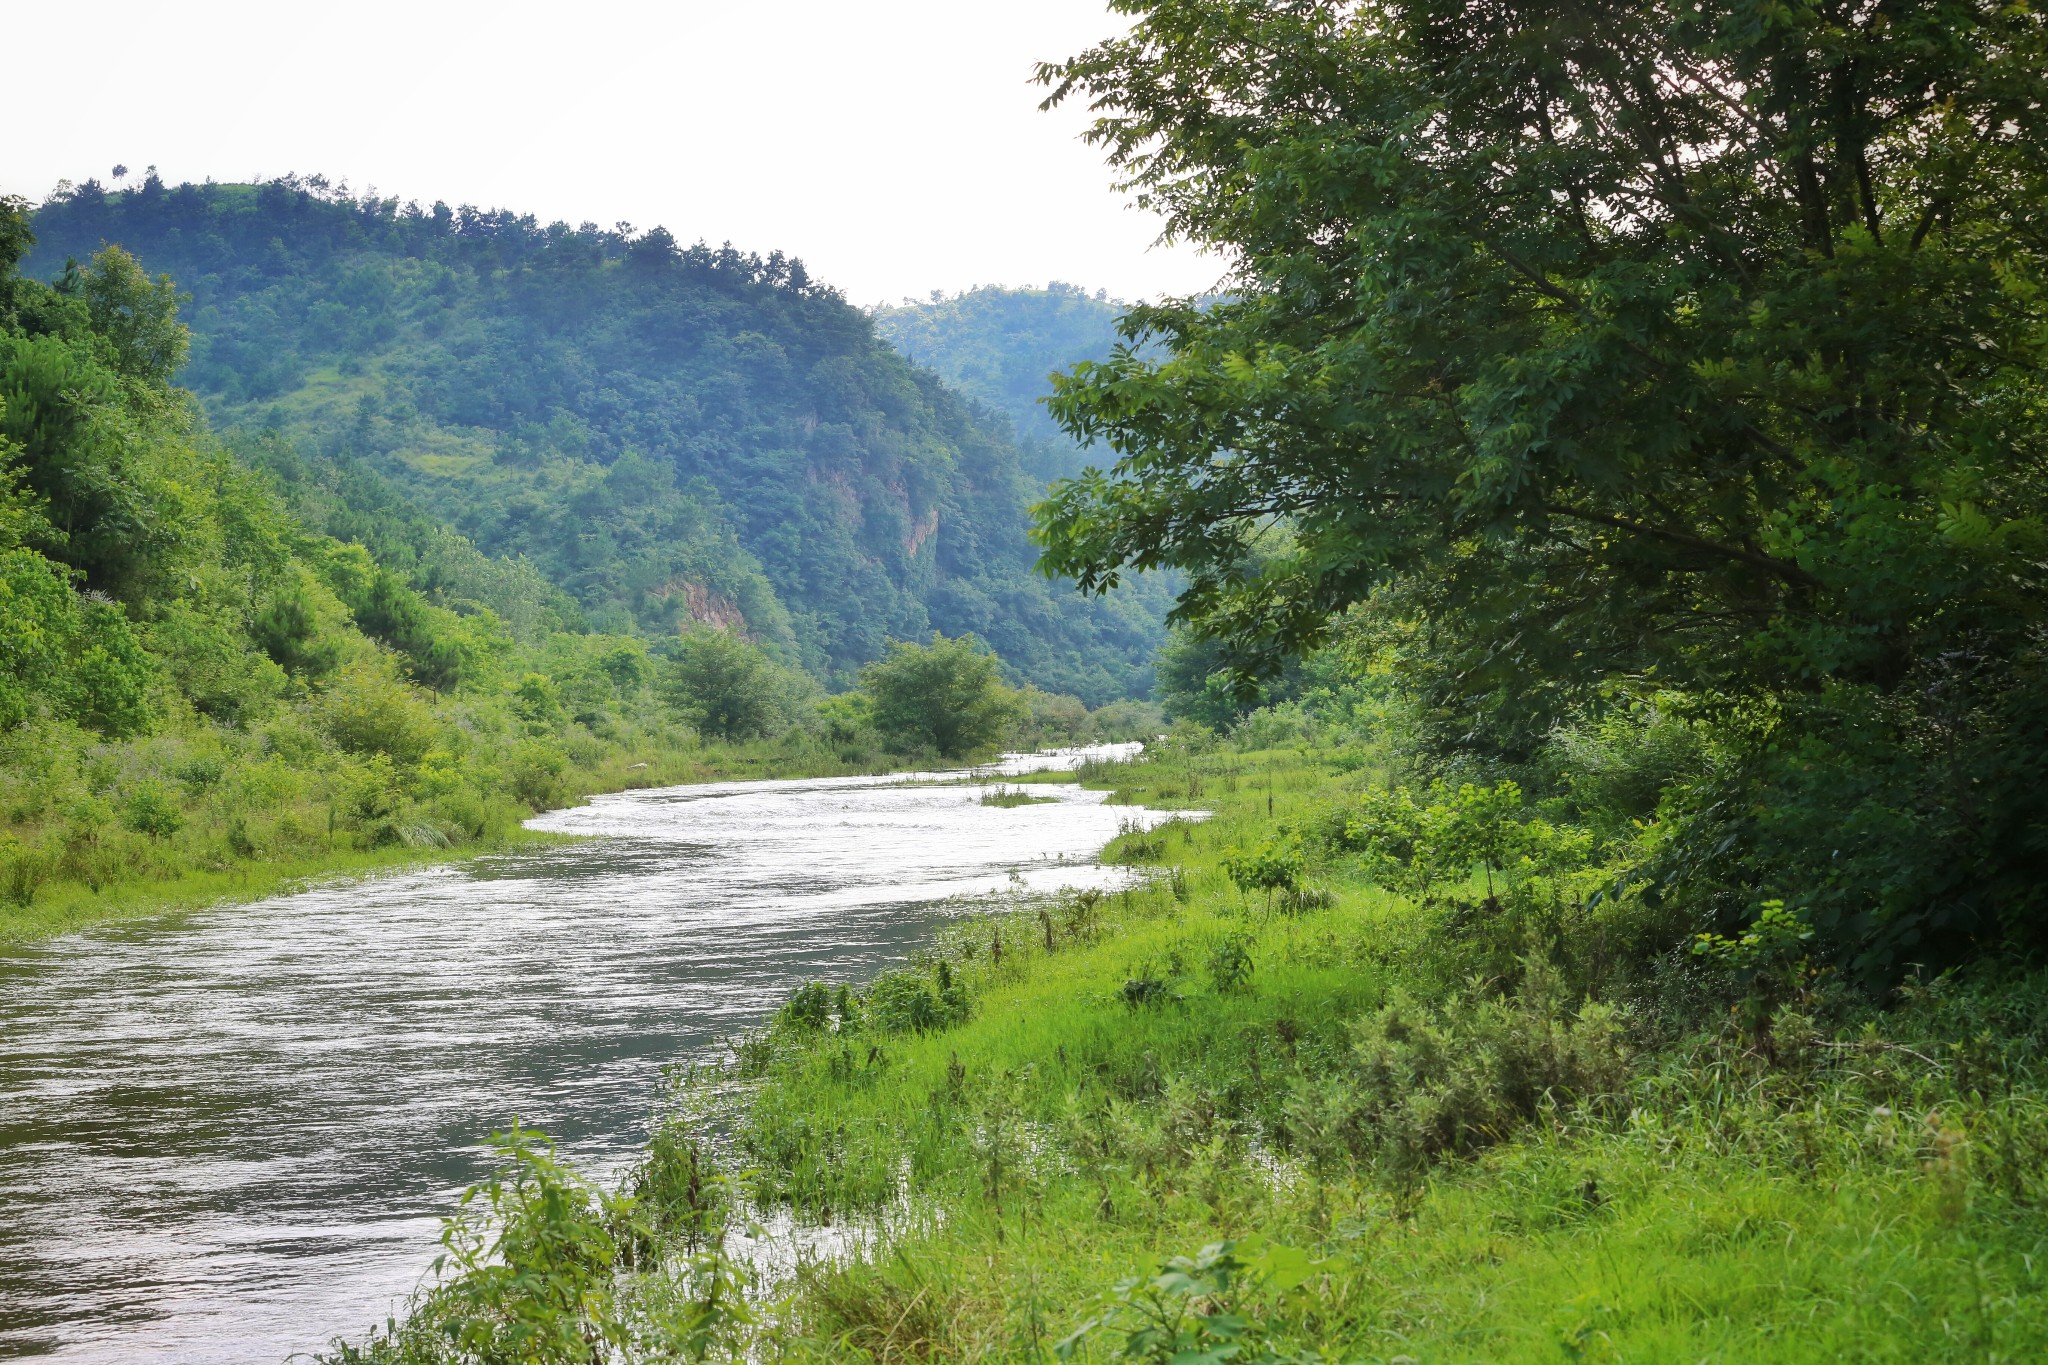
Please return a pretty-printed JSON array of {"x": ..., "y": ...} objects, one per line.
[
  {"x": 1295, "y": 1098},
  {"x": 205, "y": 848}
]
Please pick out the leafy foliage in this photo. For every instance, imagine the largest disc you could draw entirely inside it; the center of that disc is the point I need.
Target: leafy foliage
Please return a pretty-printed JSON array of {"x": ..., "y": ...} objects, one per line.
[
  {"x": 728, "y": 687},
  {"x": 1688, "y": 348},
  {"x": 946, "y": 696},
  {"x": 222, "y": 662},
  {"x": 1001, "y": 347}
]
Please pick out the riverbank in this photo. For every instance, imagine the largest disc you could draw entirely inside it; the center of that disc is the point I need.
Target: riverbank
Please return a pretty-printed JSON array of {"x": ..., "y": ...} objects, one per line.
[
  {"x": 137, "y": 880},
  {"x": 1264, "y": 1105}
]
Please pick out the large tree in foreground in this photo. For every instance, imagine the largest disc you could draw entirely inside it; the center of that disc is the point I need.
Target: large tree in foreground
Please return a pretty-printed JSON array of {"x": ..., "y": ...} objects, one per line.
[{"x": 1701, "y": 342}]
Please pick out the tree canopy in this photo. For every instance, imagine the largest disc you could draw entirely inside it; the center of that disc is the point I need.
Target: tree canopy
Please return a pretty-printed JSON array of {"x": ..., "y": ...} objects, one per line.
[
  {"x": 1690, "y": 346},
  {"x": 946, "y": 696}
]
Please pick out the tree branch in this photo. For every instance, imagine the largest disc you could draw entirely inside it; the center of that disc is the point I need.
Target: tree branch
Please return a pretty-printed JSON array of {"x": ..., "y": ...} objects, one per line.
[{"x": 1789, "y": 572}]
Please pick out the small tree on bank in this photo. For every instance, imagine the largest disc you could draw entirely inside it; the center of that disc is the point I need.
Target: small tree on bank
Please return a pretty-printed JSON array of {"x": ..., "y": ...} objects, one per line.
[
  {"x": 726, "y": 686},
  {"x": 947, "y": 696}
]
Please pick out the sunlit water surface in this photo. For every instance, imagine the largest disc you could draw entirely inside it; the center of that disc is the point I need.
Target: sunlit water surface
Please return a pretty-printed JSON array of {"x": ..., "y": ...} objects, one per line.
[{"x": 229, "y": 1137}]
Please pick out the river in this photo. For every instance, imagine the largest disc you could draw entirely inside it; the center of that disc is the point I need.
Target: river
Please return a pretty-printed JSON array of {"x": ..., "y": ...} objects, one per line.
[{"x": 229, "y": 1136}]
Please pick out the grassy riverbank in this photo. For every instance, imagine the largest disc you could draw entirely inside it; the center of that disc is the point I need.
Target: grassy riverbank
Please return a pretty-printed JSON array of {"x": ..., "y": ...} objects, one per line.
[{"x": 1315, "y": 1120}]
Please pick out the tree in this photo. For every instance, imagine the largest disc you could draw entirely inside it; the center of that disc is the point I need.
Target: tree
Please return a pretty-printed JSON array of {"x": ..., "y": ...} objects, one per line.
[
  {"x": 136, "y": 316},
  {"x": 726, "y": 686},
  {"x": 946, "y": 696},
  {"x": 1697, "y": 342}
]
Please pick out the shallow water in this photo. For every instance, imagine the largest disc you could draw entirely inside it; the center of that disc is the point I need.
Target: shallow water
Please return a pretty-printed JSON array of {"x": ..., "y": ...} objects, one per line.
[{"x": 229, "y": 1137}]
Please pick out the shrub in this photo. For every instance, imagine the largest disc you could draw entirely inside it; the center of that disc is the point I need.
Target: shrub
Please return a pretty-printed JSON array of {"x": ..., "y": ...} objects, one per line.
[
  {"x": 1430, "y": 1082},
  {"x": 537, "y": 767},
  {"x": 1272, "y": 865},
  {"x": 1230, "y": 963},
  {"x": 23, "y": 870},
  {"x": 538, "y": 702},
  {"x": 808, "y": 1008},
  {"x": 150, "y": 810},
  {"x": 905, "y": 1001},
  {"x": 371, "y": 800},
  {"x": 367, "y": 711},
  {"x": 946, "y": 696}
]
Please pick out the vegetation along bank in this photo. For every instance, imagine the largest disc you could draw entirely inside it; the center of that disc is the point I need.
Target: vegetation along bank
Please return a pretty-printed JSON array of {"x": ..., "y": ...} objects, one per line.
[{"x": 1358, "y": 1075}]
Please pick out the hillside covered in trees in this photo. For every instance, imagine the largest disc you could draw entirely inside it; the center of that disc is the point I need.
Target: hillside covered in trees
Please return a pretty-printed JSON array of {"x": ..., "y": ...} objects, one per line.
[
  {"x": 666, "y": 434},
  {"x": 999, "y": 346}
]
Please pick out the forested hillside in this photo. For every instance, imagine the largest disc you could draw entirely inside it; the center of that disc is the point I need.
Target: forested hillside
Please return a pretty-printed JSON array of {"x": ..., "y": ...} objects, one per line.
[
  {"x": 667, "y": 434},
  {"x": 1000, "y": 345}
]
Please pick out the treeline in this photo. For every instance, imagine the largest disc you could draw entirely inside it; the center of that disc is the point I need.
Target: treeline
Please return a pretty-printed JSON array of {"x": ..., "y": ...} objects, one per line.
[
  {"x": 670, "y": 434},
  {"x": 218, "y": 667}
]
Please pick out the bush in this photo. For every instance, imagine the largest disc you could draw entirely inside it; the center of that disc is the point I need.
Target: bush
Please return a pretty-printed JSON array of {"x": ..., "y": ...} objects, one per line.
[
  {"x": 808, "y": 1008},
  {"x": 367, "y": 711},
  {"x": 906, "y": 1001},
  {"x": 537, "y": 767},
  {"x": 1284, "y": 726},
  {"x": 1429, "y": 1082},
  {"x": 946, "y": 696},
  {"x": 1272, "y": 865},
  {"x": 150, "y": 810},
  {"x": 371, "y": 801},
  {"x": 23, "y": 870}
]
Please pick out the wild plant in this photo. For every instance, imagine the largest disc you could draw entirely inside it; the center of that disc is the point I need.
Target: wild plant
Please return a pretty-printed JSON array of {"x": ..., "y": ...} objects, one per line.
[
  {"x": 1426, "y": 1082},
  {"x": 808, "y": 1009},
  {"x": 528, "y": 1260},
  {"x": 1190, "y": 1310},
  {"x": 1273, "y": 864},
  {"x": 1230, "y": 963}
]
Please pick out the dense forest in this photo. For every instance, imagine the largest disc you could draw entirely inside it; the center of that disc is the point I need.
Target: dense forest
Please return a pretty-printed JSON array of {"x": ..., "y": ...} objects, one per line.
[{"x": 668, "y": 434}]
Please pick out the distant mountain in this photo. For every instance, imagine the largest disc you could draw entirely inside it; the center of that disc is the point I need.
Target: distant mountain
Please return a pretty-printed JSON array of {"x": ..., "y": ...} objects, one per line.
[
  {"x": 999, "y": 345},
  {"x": 668, "y": 433}
]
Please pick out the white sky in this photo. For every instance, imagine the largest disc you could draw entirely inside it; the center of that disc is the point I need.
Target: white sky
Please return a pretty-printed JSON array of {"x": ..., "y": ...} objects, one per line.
[{"x": 895, "y": 145}]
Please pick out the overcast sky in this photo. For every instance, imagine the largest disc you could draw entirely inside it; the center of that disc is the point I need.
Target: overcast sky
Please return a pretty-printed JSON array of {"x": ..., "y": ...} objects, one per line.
[{"x": 895, "y": 145}]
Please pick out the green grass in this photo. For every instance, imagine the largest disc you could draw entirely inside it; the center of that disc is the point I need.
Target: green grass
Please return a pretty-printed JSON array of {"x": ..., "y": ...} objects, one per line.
[
  {"x": 197, "y": 870},
  {"x": 70, "y": 906},
  {"x": 1008, "y": 797},
  {"x": 1065, "y": 1139}
]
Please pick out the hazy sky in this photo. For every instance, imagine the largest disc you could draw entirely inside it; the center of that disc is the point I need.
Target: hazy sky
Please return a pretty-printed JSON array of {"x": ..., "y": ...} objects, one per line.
[{"x": 895, "y": 145}]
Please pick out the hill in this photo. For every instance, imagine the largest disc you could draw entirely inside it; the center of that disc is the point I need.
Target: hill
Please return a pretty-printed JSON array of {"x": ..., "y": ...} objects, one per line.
[
  {"x": 669, "y": 434},
  {"x": 999, "y": 345}
]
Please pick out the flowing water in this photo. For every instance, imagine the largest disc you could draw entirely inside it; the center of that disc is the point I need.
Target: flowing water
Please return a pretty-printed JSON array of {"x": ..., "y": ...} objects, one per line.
[{"x": 229, "y": 1136}]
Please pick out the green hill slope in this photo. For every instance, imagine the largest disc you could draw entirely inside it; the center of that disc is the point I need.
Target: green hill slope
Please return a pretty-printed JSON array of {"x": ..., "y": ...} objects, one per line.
[
  {"x": 998, "y": 345},
  {"x": 668, "y": 434}
]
